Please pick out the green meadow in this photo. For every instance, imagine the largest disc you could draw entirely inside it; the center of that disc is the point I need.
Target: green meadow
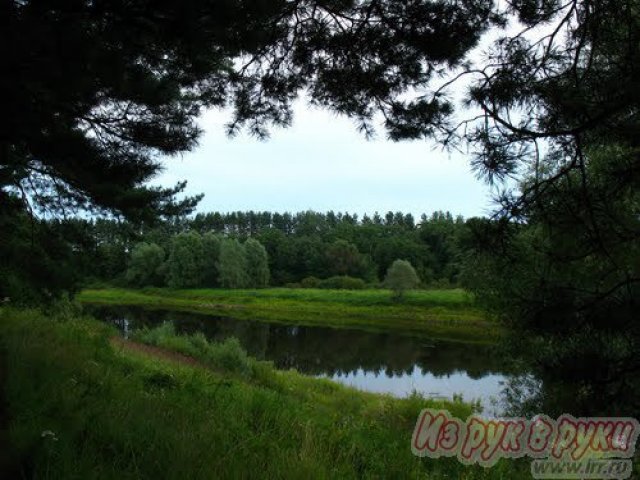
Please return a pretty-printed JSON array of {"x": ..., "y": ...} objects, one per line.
[{"x": 444, "y": 314}]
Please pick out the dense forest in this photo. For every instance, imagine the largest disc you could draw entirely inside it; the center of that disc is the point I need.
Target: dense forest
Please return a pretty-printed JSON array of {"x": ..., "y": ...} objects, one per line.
[{"x": 256, "y": 249}]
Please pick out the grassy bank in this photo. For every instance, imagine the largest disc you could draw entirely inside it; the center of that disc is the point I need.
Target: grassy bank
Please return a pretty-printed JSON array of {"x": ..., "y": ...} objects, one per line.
[
  {"x": 446, "y": 314},
  {"x": 80, "y": 405}
]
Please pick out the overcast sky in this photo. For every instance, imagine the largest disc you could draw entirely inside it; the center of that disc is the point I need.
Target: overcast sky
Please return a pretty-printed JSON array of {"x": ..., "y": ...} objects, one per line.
[{"x": 322, "y": 163}]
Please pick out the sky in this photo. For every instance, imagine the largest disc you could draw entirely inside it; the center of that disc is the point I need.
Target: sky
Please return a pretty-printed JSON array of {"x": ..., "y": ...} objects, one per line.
[{"x": 323, "y": 163}]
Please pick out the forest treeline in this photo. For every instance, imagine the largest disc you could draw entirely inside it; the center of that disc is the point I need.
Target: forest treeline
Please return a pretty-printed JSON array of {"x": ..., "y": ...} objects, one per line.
[{"x": 256, "y": 249}]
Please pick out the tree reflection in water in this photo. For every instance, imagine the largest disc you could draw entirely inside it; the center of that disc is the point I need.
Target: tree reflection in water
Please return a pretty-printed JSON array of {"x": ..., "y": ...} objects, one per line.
[{"x": 369, "y": 360}]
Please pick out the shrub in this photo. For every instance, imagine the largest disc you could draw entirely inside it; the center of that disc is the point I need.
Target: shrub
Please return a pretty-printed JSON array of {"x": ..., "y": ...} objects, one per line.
[
  {"x": 310, "y": 282},
  {"x": 228, "y": 355},
  {"x": 155, "y": 336}
]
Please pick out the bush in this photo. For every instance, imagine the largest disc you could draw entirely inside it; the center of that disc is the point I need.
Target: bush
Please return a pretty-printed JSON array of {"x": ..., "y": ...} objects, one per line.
[
  {"x": 228, "y": 355},
  {"x": 156, "y": 335},
  {"x": 310, "y": 282},
  {"x": 343, "y": 282}
]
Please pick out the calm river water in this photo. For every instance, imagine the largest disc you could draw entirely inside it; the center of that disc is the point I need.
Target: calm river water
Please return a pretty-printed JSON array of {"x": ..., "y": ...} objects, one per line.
[{"x": 377, "y": 362}]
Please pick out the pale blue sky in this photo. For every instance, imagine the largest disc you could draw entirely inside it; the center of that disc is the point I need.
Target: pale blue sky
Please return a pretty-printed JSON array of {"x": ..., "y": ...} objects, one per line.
[{"x": 322, "y": 163}]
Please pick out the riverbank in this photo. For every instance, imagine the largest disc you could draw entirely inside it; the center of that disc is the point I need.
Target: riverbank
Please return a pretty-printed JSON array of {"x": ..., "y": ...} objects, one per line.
[
  {"x": 443, "y": 314},
  {"x": 83, "y": 405}
]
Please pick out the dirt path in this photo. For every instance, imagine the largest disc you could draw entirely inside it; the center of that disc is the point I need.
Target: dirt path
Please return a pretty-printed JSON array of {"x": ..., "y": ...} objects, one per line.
[{"x": 158, "y": 352}]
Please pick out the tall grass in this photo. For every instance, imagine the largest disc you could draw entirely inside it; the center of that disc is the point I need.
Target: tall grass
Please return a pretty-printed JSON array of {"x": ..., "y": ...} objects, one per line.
[{"x": 227, "y": 355}]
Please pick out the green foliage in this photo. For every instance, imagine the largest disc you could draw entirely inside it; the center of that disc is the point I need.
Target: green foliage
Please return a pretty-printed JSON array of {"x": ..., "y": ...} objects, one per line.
[
  {"x": 310, "y": 282},
  {"x": 401, "y": 277},
  {"x": 232, "y": 264},
  {"x": 257, "y": 264},
  {"x": 313, "y": 244},
  {"x": 146, "y": 267},
  {"x": 112, "y": 261},
  {"x": 559, "y": 262},
  {"x": 185, "y": 262},
  {"x": 101, "y": 249},
  {"x": 210, "y": 254},
  {"x": 38, "y": 264},
  {"x": 155, "y": 336},
  {"x": 567, "y": 281},
  {"x": 228, "y": 355},
  {"x": 63, "y": 308},
  {"x": 345, "y": 259},
  {"x": 412, "y": 247},
  {"x": 321, "y": 245},
  {"x": 291, "y": 256}
]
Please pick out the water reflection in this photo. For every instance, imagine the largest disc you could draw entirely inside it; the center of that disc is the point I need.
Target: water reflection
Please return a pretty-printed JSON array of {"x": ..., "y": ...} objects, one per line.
[{"x": 379, "y": 362}]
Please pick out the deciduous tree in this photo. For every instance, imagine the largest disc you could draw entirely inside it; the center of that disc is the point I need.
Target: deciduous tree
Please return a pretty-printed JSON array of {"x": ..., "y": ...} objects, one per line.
[
  {"x": 401, "y": 277},
  {"x": 257, "y": 263},
  {"x": 146, "y": 267},
  {"x": 232, "y": 264},
  {"x": 210, "y": 256},
  {"x": 185, "y": 262}
]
